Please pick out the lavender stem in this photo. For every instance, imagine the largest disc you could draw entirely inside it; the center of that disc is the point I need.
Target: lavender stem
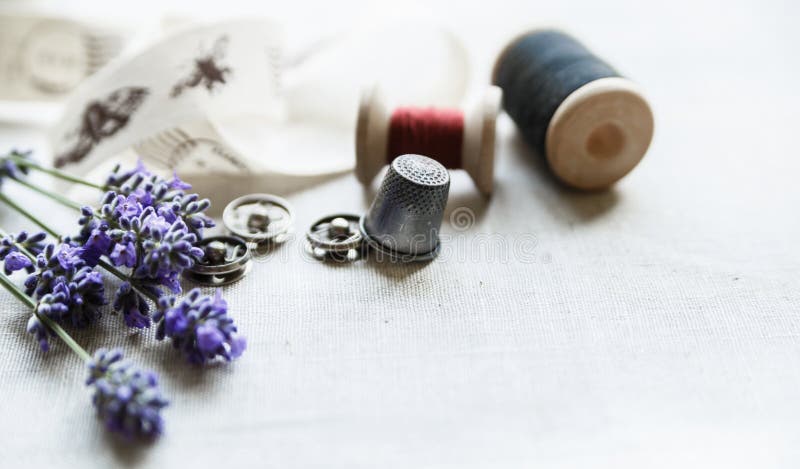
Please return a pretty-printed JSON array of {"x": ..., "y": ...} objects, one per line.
[
  {"x": 58, "y": 330},
  {"x": 53, "y": 172}
]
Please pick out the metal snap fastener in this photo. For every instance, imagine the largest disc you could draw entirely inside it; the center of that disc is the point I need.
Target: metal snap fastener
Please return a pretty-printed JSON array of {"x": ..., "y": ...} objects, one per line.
[
  {"x": 335, "y": 237},
  {"x": 259, "y": 218},
  {"x": 226, "y": 260}
]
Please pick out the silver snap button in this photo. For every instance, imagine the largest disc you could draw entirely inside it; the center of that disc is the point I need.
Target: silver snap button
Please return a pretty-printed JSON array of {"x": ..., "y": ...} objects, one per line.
[
  {"x": 226, "y": 260},
  {"x": 259, "y": 218},
  {"x": 335, "y": 237}
]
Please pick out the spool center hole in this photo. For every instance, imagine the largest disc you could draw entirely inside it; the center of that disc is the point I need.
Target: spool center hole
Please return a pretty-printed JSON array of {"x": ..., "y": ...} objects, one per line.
[{"x": 605, "y": 141}]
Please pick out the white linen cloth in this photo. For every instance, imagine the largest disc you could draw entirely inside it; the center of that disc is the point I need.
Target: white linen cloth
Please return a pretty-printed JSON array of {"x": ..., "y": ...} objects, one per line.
[{"x": 654, "y": 325}]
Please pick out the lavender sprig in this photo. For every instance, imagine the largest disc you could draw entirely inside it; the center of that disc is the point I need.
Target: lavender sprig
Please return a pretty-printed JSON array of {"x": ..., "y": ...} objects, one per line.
[
  {"x": 69, "y": 291},
  {"x": 11, "y": 167},
  {"x": 24, "y": 162},
  {"x": 135, "y": 308},
  {"x": 147, "y": 224},
  {"x": 127, "y": 399},
  {"x": 140, "y": 229},
  {"x": 167, "y": 197},
  {"x": 155, "y": 250},
  {"x": 16, "y": 250},
  {"x": 199, "y": 326}
]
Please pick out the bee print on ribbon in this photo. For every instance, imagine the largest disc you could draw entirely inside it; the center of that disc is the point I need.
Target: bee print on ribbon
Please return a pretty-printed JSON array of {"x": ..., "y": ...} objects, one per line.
[{"x": 207, "y": 71}]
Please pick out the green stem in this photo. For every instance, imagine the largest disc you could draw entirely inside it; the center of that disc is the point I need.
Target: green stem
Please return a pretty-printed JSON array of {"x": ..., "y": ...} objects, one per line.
[
  {"x": 4, "y": 198},
  {"x": 57, "y": 329},
  {"x": 105, "y": 265},
  {"x": 19, "y": 161},
  {"x": 57, "y": 197},
  {"x": 63, "y": 335},
  {"x": 127, "y": 278},
  {"x": 15, "y": 290}
]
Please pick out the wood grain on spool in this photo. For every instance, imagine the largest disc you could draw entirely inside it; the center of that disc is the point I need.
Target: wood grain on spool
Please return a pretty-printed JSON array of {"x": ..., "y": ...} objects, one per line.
[
  {"x": 599, "y": 133},
  {"x": 600, "y": 130}
]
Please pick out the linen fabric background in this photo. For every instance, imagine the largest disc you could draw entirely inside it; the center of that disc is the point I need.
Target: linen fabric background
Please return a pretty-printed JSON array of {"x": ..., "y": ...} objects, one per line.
[{"x": 653, "y": 325}]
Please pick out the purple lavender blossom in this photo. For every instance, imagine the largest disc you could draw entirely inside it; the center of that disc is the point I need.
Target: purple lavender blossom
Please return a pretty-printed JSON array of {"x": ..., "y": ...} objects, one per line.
[
  {"x": 128, "y": 206},
  {"x": 97, "y": 245},
  {"x": 199, "y": 327},
  {"x": 134, "y": 307},
  {"x": 144, "y": 197},
  {"x": 55, "y": 305},
  {"x": 176, "y": 183},
  {"x": 40, "y": 332},
  {"x": 156, "y": 223},
  {"x": 127, "y": 399},
  {"x": 11, "y": 254},
  {"x": 9, "y": 168},
  {"x": 69, "y": 256},
  {"x": 168, "y": 198},
  {"x": 158, "y": 246},
  {"x": 15, "y": 261},
  {"x": 169, "y": 249},
  {"x": 153, "y": 227},
  {"x": 117, "y": 177},
  {"x": 123, "y": 254},
  {"x": 87, "y": 294},
  {"x": 68, "y": 290}
]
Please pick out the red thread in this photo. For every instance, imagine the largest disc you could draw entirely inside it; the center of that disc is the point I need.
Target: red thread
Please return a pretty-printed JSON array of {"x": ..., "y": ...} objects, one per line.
[{"x": 435, "y": 133}]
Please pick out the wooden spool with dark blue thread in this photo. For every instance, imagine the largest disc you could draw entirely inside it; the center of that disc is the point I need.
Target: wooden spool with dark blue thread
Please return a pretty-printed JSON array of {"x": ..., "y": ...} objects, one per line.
[{"x": 591, "y": 124}]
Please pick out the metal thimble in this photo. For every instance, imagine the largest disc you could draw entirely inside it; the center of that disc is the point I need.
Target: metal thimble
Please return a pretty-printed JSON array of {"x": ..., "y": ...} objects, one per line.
[{"x": 404, "y": 219}]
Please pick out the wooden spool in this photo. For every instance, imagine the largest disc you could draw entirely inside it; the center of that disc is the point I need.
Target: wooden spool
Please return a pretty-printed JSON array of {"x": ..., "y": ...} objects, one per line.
[
  {"x": 599, "y": 133},
  {"x": 477, "y": 156}
]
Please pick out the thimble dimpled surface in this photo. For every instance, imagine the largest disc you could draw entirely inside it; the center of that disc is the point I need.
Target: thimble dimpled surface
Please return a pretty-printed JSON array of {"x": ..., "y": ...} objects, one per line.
[{"x": 407, "y": 212}]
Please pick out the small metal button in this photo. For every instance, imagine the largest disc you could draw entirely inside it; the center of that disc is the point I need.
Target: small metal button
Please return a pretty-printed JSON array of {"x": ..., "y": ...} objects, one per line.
[
  {"x": 339, "y": 227},
  {"x": 226, "y": 260},
  {"x": 335, "y": 237},
  {"x": 259, "y": 218},
  {"x": 216, "y": 251}
]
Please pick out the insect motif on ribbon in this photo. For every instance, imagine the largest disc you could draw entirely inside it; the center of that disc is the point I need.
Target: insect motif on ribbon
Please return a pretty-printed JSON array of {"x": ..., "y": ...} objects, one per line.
[
  {"x": 207, "y": 70},
  {"x": 102, "y": 119}
]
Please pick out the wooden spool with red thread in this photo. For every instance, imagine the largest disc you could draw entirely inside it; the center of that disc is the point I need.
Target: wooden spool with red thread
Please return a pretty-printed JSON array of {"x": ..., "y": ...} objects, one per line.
[{"x": 456, "y": 139}]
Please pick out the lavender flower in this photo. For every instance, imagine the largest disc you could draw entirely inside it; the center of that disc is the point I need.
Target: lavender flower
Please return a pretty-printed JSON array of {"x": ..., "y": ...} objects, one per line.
[
  {"x": 157, "y": 251},
  {"x": 123, "y": 254},
  {"x": 169, "y": 248},
  {"x": 11, "y": 247},
  {"x": 152, "y": 226},
  {"x": 134, "y": 307},
  {"x": 15, "y": 261},
  {"x": 117, "y": 177},
  {"x": 68, "y": 290},
  {"x": 199, "y": 327},
  {"x": 9, "y": 168},
  {"x": 168, "y": 198},
  {"x": 155, "y": 247},
  {"x": 97, "y": 244},
  {"x": 68, "y": 256},
  {"x": 127, "y": 399},
  {"x": 40, "y": 332},
  {"x": 128, "y": 206}
]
